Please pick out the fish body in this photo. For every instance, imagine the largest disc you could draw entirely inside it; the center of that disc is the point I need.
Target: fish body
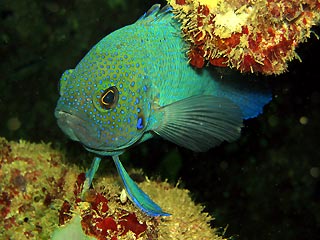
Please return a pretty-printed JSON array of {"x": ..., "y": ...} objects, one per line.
[{"x": 136, "y": 83}]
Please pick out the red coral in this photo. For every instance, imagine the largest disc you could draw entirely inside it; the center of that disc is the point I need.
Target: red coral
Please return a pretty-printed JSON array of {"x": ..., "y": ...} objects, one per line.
[
  {"x": 99, "y": 223},
  {"x": 130, "y": 222},
  {"x": 196, "y": 58},
  {"x": 5, "y": 202},
  {"x": 79, "y": 184},
  {"x": 181, "y": 2},
  {"x": 64, "y": 213},
  {"x": 219, "y": 62},
  {"x": 5, "y": 151},
  {"x": 97, "y": 220}
]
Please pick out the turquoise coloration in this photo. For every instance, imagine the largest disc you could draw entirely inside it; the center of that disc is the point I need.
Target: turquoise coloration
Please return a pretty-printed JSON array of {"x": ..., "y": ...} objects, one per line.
[
  {"x": 139, "y": 198},
  {"x": 136, "y": 82},
  {"x": 90, "y": 175}
]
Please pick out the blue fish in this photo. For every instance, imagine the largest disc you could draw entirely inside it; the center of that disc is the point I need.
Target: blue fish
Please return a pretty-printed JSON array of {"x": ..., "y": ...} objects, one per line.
[{"x": 136, "y": 83}]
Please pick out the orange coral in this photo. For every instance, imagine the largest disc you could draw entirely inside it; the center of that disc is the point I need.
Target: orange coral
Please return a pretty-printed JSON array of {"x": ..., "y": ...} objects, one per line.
[{"x": 251, "y": 36}]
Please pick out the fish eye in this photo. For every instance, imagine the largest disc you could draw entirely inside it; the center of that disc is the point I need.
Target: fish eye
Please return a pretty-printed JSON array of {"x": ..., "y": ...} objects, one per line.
[{"x": 109, "y": 98}]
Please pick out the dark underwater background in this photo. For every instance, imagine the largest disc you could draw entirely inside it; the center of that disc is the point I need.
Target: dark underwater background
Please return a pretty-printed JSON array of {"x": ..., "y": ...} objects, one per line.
[{"x": 266, "y": 185}]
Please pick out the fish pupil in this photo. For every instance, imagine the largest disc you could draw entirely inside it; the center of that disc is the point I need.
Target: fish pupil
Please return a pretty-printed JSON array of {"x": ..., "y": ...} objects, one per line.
[{"x": 109, "y": 98}]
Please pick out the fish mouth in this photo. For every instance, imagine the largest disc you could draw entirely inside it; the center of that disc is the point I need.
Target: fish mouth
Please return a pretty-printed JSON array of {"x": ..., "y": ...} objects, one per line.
[{"x": 79, "y": 129}]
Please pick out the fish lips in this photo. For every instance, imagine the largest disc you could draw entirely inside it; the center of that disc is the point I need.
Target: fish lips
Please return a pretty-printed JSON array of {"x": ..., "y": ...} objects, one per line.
[{"x": 78, "y": 129}]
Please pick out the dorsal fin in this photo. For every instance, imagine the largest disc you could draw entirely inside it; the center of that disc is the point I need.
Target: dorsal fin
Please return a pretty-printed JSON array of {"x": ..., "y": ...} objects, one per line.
[{"x": 155, "y": 13}]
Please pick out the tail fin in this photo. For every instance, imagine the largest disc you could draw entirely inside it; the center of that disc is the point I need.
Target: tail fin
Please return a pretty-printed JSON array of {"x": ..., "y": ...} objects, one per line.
[{"x": 250, "y": 95}]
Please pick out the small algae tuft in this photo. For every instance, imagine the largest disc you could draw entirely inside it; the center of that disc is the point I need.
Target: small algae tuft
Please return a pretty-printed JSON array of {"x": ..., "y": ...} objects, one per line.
[{"x": 40, "y": 199}]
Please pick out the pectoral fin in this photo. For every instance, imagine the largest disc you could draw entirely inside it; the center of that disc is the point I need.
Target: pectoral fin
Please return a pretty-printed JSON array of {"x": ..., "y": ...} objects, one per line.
[
  {"x": 138, "y": 197},
  {"x": 200, "y": 122}
]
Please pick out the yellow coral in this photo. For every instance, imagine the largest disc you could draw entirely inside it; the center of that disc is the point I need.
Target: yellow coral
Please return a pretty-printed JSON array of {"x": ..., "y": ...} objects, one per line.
[{"x": 37, "y": 180}]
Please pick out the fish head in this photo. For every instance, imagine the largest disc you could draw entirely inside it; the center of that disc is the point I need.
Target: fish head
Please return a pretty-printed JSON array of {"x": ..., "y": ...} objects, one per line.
[{"x": 104, "y": 102}]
